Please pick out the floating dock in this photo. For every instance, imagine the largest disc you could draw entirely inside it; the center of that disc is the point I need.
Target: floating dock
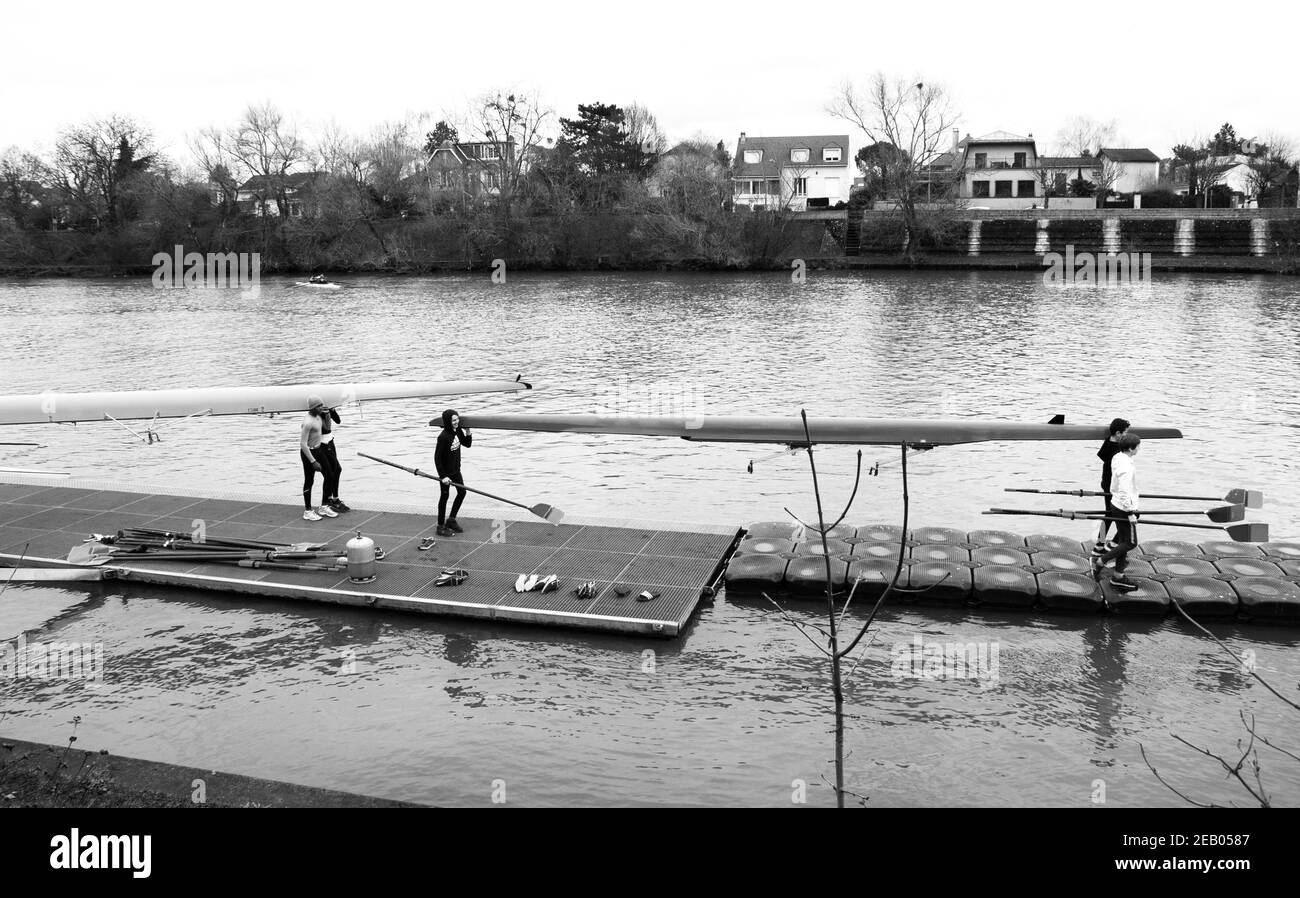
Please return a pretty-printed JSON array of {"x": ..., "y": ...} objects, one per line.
[
  {"x": 1002, "y": 569},
  {"x": 40, "y": 524}
]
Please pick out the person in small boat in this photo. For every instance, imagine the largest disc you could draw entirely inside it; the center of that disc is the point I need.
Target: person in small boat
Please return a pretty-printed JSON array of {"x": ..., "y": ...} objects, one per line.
[
  {"x": 330, "y": 492},
  {"x": 1125, "y": 498},
  {"x": 318, "y": 279},
  {"x": 1118, "y": 428},
  {"x": 315, "y": 459},
  {"x": 446, "y": 459}
]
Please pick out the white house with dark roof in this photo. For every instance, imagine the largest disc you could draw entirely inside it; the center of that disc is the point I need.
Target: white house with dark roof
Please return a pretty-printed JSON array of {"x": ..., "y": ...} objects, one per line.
[
  {"x": 1000, "y": 166},
  {"x": 797, "y": 172},
  {"x": 1135, "y": 169}
]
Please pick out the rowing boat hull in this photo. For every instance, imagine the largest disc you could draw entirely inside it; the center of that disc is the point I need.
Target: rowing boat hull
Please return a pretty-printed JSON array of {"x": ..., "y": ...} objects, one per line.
[
  {"x": 771, "y": 429},
  {"x": 61, "y": 408}
]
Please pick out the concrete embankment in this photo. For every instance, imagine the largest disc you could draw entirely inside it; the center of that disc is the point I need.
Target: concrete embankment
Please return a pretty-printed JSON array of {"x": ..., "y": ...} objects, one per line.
[{"x": 1264, "y": 240}]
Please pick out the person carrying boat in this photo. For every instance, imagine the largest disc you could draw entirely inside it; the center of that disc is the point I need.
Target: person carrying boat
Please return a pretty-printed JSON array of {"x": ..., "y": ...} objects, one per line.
[
  {"x": 314, "y": 459},
  {"x": 330, "y": 491},
  {"x": 1125, "y": 498},
  {"x": 446, "y": 459},
  {"x": 1118, "y": 428}
]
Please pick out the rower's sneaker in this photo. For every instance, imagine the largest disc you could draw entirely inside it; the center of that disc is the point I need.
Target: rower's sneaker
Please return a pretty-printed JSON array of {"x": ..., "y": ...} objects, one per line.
[
  {"x": 454, "y": 527},
  {"x": 338, "y": 505},
  {"x": 1100, "y": 548},
  {"x": 1123, "y": 584},
  {"x": 326, "y": 512},
  {"x": 310, "y": 515},
  {"x": 443, "y": 531}
]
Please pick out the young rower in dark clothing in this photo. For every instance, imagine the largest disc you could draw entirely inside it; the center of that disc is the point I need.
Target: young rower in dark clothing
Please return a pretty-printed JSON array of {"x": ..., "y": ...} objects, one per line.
[
  {"x": 1106, "y": 453},
  {"x": 446, "y": 459},
  {"x": 330, "y": 494},
  {"x": 1124, "y": 499}
]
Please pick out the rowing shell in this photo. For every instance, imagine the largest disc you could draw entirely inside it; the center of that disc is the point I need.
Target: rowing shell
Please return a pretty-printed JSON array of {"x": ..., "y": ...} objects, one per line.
[
  {"x": 770, "y": 429},
  {"x": 46, "y": 408}
]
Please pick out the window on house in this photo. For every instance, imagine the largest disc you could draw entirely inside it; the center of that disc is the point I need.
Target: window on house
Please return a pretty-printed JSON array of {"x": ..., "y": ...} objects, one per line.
[
  {"x": 979, "y": 188},
  {"x": 800, "y": 186},
  {"x": 800, "y": 155},
  {"x": 753, "y": 156},
  {"x": 1058, "y": 182},
  {"x": 832, "y": 154},
  {"x": 1002, "y": 188},
  {"x": 490, "y": 151},
  {"x": 981, "y": 160},
  {"x": 1020, "y": 160},
  {"x": 1024, "y": 188},
  {"x": 447, "y": 179}
]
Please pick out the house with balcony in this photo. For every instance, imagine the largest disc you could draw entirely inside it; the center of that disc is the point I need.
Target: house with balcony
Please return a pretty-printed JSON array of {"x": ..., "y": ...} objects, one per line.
[
  {"x": 797, "y": 173},
  {"x": 1001, "y": 170},
  {"x": 465, "y": 170}
]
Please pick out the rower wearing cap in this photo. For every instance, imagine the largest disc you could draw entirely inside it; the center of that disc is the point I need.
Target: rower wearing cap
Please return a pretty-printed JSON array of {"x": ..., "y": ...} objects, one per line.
[{"x": 315, "y": 458}]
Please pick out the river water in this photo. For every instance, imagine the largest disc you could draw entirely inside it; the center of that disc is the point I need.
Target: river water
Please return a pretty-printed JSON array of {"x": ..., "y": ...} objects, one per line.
[{"x": 737, "y": 710}]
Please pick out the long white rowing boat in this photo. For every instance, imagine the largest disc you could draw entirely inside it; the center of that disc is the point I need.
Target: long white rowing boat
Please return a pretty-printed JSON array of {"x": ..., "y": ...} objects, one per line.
[
  {"x": 62, "y": 408},
  {"x": 790, "y": 429}
]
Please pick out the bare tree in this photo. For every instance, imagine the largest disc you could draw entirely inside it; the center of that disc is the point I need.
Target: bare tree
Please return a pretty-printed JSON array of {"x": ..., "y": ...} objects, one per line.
[
  {"x": 838, "y": 641},
  {"x": 516, "y": 122},
  {"x": 1084, "y": 136},
  {"x": 94, "y": 164},
  {"x": 643, "y": 130},
  {"x": 1271, "y": 168},
  {"x": 1047, "y": 177},
  {"x": 916, "y": 118},
  {"x": 1108, "y": 175}
]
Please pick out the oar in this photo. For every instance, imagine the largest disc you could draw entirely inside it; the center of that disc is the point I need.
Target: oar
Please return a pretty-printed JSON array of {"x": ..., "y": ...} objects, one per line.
[
  {"x": 1236, "y": 496},
  {"x": 549, "y": 513},
  {"x": 134, "y": 536},
  {"x": 1224, "y": 514},
  {"x": 1241, "y": 533}
]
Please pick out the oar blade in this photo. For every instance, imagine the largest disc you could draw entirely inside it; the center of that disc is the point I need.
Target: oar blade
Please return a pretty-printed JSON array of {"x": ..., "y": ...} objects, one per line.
[
  {"x": 1248, "y": 498},
  {"x": 1248, "y": 533},
  {"x": 1227, "y": 514},
  {"x": 549, "y": 513},
  {"x": 85, "y": 554}
]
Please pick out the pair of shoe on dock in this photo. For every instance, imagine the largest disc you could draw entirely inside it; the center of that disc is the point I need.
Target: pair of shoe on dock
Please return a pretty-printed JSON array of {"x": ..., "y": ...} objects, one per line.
[
  {"x": 451, "y": 577},
  {"x": 536, "y": 583}
]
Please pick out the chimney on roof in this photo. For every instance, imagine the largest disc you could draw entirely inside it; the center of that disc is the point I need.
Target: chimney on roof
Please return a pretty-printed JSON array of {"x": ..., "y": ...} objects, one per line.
[
  {"x": 955, "y": 140},
  {"x": 742, "y": 136}
]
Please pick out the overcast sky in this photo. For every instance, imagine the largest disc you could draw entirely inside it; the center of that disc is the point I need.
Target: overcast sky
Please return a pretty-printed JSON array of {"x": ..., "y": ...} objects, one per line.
[{"x": 1164, "y": 72}]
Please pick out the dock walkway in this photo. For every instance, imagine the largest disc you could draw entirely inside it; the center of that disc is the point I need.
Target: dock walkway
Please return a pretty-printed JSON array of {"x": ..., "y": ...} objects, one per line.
[{"x": 42, "y": 523}]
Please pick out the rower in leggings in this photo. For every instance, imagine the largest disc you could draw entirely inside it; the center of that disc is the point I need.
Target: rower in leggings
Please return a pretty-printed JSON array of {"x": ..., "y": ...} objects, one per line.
[
  {"x": 330, "y": 495},
  {"x": 314, "y": 458},
  {"x": 447, "y": 460}
]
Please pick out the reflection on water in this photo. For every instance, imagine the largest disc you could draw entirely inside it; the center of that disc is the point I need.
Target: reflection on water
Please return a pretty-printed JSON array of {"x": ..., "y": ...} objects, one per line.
[{"x": 738, "y": 709}]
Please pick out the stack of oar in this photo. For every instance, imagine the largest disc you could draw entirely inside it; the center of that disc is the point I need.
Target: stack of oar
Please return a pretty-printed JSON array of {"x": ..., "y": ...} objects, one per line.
[
  {"x": 138, "y": 544},
  {"x": 1225, "y": 517}
]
